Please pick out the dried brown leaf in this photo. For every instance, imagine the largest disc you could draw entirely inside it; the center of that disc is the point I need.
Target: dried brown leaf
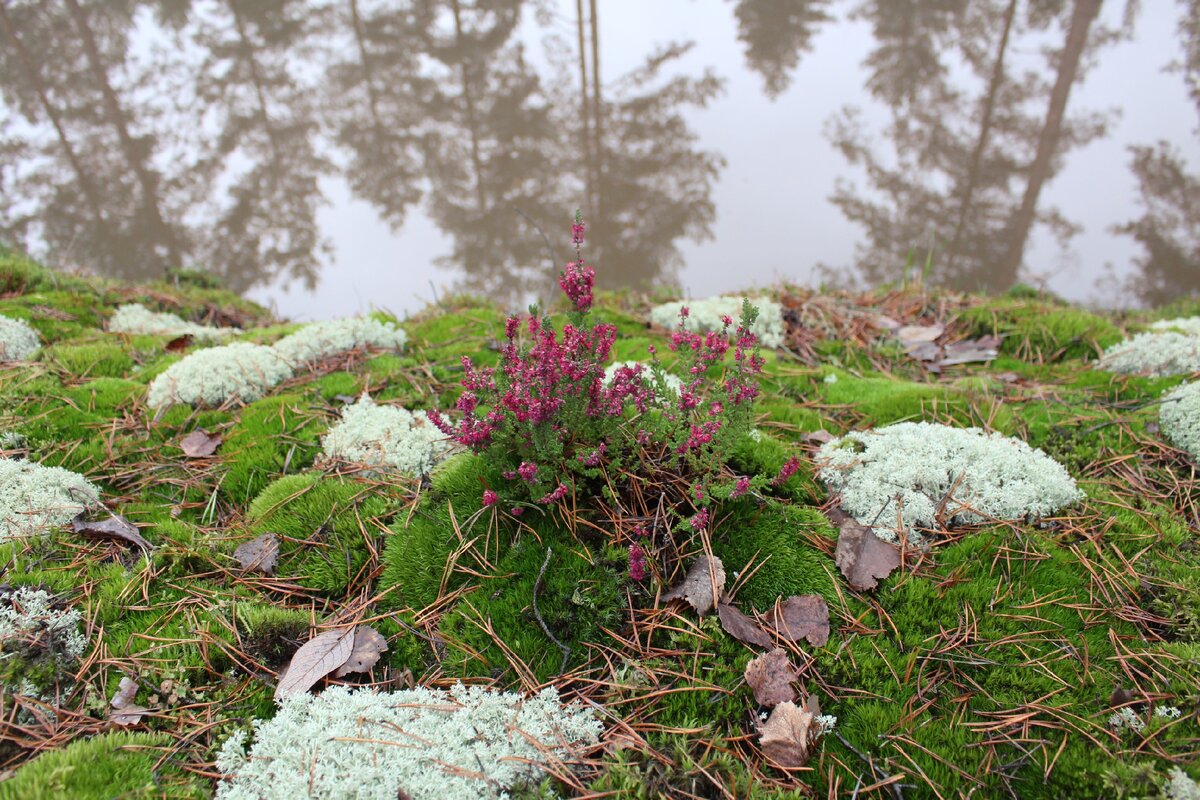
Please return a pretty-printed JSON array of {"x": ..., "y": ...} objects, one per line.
[
  {"x": 788, "y": 735},
  {"x": 179, "y": 343},
  {"x": 703, "y": 577},
  {"x": 913, "y": 335},
  {"x": 742, "y": 627},
  {"x": 124, "y": 711},
  {"x": 818, "y": 437},
  {"x": 315, "y": 659},
  {"x": 199, "y": 444},
  {"x": 259, "y": 555},
  {"x": 802, "y": 617},
  {"x": 115, "y": 527},
  {"x": 863, "y": 557},
  {"x": 770, "y": 677},
  {"x": 368, "y": 646}
]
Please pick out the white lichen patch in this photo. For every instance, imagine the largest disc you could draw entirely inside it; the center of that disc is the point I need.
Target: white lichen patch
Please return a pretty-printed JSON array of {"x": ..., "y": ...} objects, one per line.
[
  {"x": 29, "y": 619},
  {"x": 423, "y": 744},
  {"x": 34, "y": 498},
  {"x": 18, "y": 341},
  {"x": 922, "y": 475},
  {"x": 1188, "y": 325},
  {"x": 322, "y": 339},
  {"x": 1179, "y": 416},
  {"x": 386, "y": 437},
  {"x": 1158, "y": 354},
  {"x": 1180, "y": 786},
  {"x": 137, "y": 319},
  {"x": 707, "y": 315},
  {"x": 217, "y": 374}
]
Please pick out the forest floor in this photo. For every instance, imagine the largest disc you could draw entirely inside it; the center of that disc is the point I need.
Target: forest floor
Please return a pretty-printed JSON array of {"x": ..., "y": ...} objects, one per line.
[{"x": 989, "y": 664}]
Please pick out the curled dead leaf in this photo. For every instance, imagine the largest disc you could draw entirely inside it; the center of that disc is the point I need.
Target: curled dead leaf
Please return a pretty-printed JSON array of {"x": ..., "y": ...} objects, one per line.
[
  {"x": 179, "y": 343},
  {"x": 801, "y": 617},
  {"x": 315, "y": 659},
  {"x": 368, "y": 646},
  {"x": 702, "y": 586},
  {"x": 770, "y": 677},
  {"x": 115, "y": 527},
  {"x": 863, "y": 557},
  {"x": 788, "y": 736},
  {"x": 124, "y": 711},
  {"x": 199, "y": 444},
  {"x": 259, "y": 555},
  {"x": 742, "y": 627}
]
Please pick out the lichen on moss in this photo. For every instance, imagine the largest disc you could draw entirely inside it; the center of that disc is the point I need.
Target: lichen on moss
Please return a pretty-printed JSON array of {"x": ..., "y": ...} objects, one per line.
[
  {"x": 216, "y": 375},
  {"x": 136, "y": 318},
  {"x": 1154, "y": 353},
  {"x": 18, "y": 341},
  {"x": 922, "y": 475},
  {"x": 1179, "y": 414},
  {"x": 385, "y": 437},
  {"x": 35, "y": 498},
  {"x": 321, "y": 339},
  {"x": 426, "y": 744},
  {"x": 707, "y": 315}
]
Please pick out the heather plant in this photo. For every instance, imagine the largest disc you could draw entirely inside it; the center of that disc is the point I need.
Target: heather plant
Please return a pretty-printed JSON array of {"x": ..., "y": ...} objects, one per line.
[{"x": 556, "y": 421}]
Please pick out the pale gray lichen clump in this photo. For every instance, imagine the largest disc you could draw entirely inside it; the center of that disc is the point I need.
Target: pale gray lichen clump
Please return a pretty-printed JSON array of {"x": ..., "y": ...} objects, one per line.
[
  {"x": 322, "y": 339},
  {"x": 1181, "y": 787},
  {"x": 1179, "y": 415},
  {"x": 424, "y": 744},
  {"x": 34, "y": 498},
  {"x": 386, "y": 437},
  {"x": 214, "y": 375},
  {"x": 920, "y": 475},
  {"x": 18, "y": 341},
  {"x": 1188, "y": 325},
  {"x": 706, "y": 315},
  {"x": 136, "y": 318},
  {"x": 1158, "y": 354},
  {"x": 28, "y": 618}
]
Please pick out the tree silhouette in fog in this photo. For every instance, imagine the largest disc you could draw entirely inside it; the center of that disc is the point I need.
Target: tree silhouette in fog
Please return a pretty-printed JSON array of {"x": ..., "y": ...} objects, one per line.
[
  {"x": 775, "y": 33},
  {"x": 255, "y": 81},
  {"x": 82, "y": 179},
  {"x": 958, "y": 183}
]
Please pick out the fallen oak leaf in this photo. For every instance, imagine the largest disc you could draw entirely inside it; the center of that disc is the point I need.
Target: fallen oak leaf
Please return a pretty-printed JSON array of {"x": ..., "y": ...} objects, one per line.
[
  {"x": 702, "y": 585},
  {"x": 802, "y": 617},
  {"x": 124, "y": 711},
  {"x": 862, "y": 556},
  {"x": 770, "y": 677},
  {"x": 315, "y": 659},
  {"x": 260, "y": 554},
  {"x": 788, "y": 735},
  {"x": 115, "y": 527},
  {"x": 179, "y": 343},
  {"x": 742, "y": 627},
  {"x": 199, "y": 444},
  {"x": 368, "y": 646}
]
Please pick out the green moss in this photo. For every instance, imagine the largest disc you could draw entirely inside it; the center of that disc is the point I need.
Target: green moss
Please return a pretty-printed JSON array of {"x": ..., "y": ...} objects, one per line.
[
  {"x": 21, "y": 275},
  {"x": 89, "y": 360},
  {"x": 1039, "y": 331},
  {"x": 771, "y": 539},
  {"x": 273, "y": 436},
  {"x": 328, "y": 527},
  {"x": 116, "y": 764}
]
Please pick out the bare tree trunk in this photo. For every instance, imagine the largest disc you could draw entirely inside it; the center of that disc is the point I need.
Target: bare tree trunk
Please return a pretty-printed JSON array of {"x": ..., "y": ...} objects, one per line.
[
  {"x": 247, "y": 52},
  {"x": 597, "y": 117},
  {"x": 469, "y": 101},
  {"x": 585, "y": 105},
  {"x": 35, "y": 80},
  {"x": 985, "y": 130},
  {"x": 1085, "y": 12},
  {"x": 137, "y": 163}
]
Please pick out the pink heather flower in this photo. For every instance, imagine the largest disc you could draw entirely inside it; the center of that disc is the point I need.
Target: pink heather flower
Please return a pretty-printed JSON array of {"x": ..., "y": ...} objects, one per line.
[
  {"x": 698, "y": 493},
  {"x": 700, "y": 521},
  {"x": 510, "y": 327},
  {"x": 786, "y": 471},
  {"x": 637, "y": 563},
  {"x": 527, "y": 471},
  {"x": 489, "y": 498},
  {"x": 516, "y": 511},
  {"x": 578, "y": 228},
  {"x": 577, "y": 282},
  {"x": 743, "y": 486},
  {"x": 556, "y": 495},
  {"x": 683, "y": 312}
]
